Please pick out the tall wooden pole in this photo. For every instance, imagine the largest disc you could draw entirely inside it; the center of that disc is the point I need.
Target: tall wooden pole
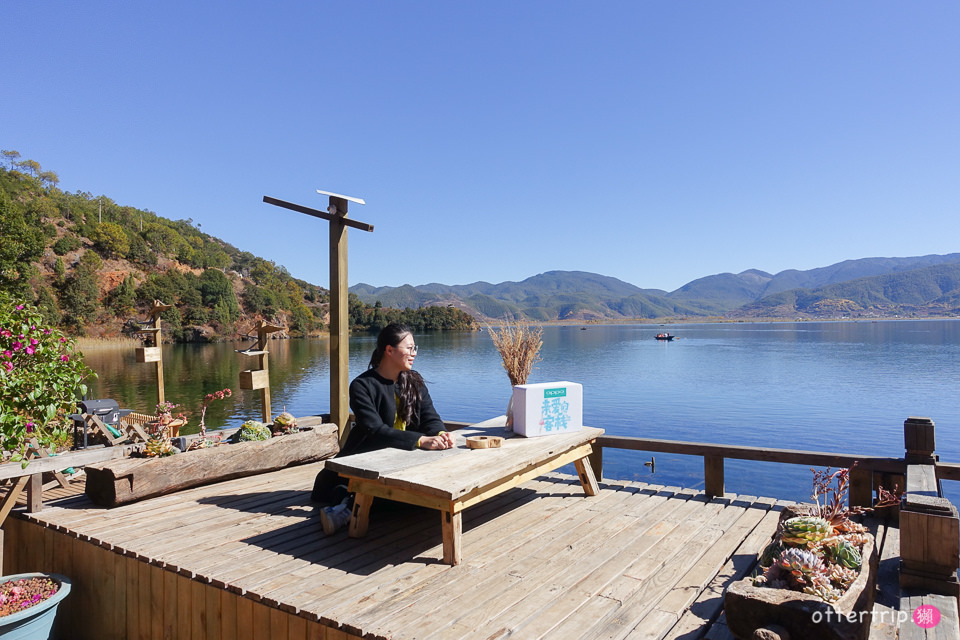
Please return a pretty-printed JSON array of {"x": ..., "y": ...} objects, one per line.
[
  {"x": 339, "y": 322},
  {"x": 336, "y": 214},
  {"x": 161, "y": 398}
]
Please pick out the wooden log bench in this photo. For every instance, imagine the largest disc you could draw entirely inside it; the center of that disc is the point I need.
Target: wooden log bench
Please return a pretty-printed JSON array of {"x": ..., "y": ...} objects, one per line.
[{"x": 127, "y": 480}]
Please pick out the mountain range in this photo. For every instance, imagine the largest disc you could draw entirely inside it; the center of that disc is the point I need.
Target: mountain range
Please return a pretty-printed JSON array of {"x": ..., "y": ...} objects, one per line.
[{"x": 869, "y": 287}]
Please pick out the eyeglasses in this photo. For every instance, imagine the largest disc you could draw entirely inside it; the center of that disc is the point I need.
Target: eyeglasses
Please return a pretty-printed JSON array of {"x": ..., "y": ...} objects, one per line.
[{"x": 411, "y": 350}]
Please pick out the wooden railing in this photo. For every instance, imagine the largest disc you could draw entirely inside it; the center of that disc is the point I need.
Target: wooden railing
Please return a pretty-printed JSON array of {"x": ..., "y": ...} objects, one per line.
[{"x": 862, "y": 468}]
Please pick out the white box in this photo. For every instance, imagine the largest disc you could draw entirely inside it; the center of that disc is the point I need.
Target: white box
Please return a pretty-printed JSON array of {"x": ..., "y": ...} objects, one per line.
[{"x": 547, "y": 408}]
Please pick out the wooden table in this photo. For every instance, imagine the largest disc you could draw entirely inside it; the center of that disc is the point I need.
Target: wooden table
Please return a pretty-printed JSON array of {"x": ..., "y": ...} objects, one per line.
[{"x": 454, "y": 479}]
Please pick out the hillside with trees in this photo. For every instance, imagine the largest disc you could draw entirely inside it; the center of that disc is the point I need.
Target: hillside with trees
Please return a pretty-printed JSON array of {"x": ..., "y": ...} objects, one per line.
[{"x": 93, "y": 266}]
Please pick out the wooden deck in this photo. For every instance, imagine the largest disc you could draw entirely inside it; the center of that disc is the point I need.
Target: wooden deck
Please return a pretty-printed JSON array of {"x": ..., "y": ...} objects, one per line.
[{"x": 247, "y": 559}]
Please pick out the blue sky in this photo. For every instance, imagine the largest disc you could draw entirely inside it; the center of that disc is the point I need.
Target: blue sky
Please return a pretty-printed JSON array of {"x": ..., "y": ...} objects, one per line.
[{"x": 656, "y": 142}]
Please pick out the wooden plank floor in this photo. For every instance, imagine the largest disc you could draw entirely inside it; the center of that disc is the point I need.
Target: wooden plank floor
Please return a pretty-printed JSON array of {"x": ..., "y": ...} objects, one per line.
[{"x": 540, "y": 561}]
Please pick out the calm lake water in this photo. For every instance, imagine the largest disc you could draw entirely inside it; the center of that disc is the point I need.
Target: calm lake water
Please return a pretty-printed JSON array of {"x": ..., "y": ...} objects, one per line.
[{"x": 820, "y": 386}]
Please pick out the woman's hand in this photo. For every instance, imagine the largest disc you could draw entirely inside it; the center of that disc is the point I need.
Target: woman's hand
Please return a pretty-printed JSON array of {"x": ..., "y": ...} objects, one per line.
[{"x": 442, "y": 441}]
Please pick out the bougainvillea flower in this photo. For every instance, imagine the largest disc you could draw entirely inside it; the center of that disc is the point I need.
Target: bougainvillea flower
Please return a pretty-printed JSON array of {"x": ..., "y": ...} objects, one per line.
[{"x": 64, "y": 358}]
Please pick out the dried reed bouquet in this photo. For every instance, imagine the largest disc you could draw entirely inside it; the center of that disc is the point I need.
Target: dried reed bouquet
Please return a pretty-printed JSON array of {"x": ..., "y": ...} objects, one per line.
[{"x": 519, "y": 347}]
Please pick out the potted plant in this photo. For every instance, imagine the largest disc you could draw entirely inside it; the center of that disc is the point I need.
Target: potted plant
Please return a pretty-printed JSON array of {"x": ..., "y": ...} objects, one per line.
[
  {"x": 519, "y": 348},
  {"x": 41, "y": 380},
  {"x": 28, "y": 604},
  {"x": 818, "y": 571}
]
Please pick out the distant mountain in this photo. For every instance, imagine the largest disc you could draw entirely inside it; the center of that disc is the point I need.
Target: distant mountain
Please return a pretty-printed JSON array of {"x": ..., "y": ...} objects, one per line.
[
  {"x": 871, "y": 286},
  {"x": 927, "y": 291},
  {"x": 852, "y": 270}
]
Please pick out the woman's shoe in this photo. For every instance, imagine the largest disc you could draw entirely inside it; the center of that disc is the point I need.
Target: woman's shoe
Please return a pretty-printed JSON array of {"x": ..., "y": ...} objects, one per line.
[{"x": 334, "y": 518}]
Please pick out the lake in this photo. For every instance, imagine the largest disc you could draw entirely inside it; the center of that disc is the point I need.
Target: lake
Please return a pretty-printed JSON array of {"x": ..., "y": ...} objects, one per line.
[{"x": 820, "y": 386}]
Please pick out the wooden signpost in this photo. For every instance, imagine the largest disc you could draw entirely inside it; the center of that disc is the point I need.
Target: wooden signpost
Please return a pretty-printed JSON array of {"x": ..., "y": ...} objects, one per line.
[
  {"x": 336, "y": 214},
  {"x": 151, "y": 331},
  {"x": 253, "y": 379}
]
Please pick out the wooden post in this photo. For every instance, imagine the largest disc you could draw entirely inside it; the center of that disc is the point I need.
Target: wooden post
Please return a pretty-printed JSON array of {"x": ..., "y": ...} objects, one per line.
[
  {"x": 154, "y": 353},
  {"x": 157, "y": 343},
  {"x": 929, "y": 523},
  {"x": 861, "y": 487},
  {"x": 336, "y": 214},
  {"x": 713, "y": 476},
  {"x": 919, "y": 440},
  {"x": 596, "y": 461},
  {"x": 253, "y": 379},
  {"x": 339, "y": 322}
]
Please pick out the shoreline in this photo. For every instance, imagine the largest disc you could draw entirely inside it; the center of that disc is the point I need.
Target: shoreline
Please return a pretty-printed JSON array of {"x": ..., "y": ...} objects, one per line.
[{"x": 123, "y": 342}]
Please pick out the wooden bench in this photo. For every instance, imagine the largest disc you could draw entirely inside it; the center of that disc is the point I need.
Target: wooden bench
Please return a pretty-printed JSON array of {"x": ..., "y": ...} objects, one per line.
[{"x": 454, "y": 479}]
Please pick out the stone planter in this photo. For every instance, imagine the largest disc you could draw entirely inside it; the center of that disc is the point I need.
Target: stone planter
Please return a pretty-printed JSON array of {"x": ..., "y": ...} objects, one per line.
[
  {"x": 792, "y": 615},
  {"x": 36, "y": 622}
]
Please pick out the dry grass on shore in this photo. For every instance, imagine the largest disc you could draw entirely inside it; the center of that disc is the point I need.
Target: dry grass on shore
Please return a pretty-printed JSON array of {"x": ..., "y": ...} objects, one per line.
[{"x": 123, "y": 342}]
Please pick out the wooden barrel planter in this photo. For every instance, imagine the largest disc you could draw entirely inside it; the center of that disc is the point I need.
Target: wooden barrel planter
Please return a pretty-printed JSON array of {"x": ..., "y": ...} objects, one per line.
[
  {"x": 758, "y": 612},
  {"x": 127, "y": 480}
]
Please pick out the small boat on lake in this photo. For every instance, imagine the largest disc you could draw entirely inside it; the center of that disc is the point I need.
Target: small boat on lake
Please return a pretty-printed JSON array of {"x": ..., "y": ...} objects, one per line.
[{"x": 665, "y": 336}]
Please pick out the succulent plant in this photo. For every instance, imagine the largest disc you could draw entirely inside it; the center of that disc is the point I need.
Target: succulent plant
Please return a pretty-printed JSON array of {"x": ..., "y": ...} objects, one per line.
[
  {"x": 253, "y": 430},
  {"x": 844, "y": 553},
  {"x": 158, "y": 447},
  {"x": 804, "y": 530},
  {"x": 842, "y": 577},
  {"x": 823, "y": 590},
  {"x": 285, "y": 423},
  {"x": 800, "y": 566},
  {"x": 770, "y": 553}
]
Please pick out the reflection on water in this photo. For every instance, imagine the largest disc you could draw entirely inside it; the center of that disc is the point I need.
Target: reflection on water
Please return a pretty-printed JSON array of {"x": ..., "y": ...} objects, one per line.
[{"x": 840, "y": 386}]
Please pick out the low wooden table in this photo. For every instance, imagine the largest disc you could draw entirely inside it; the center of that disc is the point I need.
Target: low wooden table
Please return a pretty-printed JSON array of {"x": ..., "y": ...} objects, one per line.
[{"x": 454, "y": 479}]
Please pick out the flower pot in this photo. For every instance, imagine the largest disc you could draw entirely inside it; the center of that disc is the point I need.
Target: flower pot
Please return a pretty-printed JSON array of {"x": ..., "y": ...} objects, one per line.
[
  {"x": 749, "y": 608},
  {"x": 36, "y": 622}
]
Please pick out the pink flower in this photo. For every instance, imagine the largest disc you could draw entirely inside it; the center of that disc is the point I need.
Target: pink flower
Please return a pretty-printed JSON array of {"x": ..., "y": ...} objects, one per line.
[
  {"x": 64, "y": 358},
  {"x": 19, "y": 307},
  {"x": 46, "y": 332},
  {"x": 34, "y": 342},
  {"x": 8, "y": 354},
  {"x": 6, "y": 333},
  {"x": 63, "y": 340},
  {"x": 29, "y": 426},
  {"x": 17, "y": 345},
  {"x": 8, "y": 366},
  {"x": 30, "y": 350}
]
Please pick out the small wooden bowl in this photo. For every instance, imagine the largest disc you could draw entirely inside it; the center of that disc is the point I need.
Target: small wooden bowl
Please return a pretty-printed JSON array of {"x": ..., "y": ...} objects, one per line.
[{"x": 484, "y": 442}]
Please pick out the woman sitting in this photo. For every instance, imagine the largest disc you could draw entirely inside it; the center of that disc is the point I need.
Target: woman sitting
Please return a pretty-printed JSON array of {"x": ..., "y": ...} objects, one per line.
[{"x": 392, "y": 408}]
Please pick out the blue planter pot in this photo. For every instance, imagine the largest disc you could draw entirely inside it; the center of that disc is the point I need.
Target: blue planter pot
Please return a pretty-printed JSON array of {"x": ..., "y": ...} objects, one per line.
[{"x": 36, "y": 622}]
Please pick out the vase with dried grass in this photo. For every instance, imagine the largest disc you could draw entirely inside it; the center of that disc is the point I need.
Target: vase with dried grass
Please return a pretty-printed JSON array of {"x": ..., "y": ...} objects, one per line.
[{"x": 519, "y": 348}]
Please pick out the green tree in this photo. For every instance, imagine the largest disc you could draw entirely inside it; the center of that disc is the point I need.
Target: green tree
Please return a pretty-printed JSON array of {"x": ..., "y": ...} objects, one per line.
[
  {"x": 22, "y": 244},
  {"x": 11, "y": 157},
  {"x": 78, "y": 298},
  {"x": 123, "y": 297},
  {"x": 110, "y": 240},
  {"x": 217, "y": 289},
  {"x": 92, "y": 260},
  {"x": 46, "y": 304},
  {"x": 66, "y": 244}
]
